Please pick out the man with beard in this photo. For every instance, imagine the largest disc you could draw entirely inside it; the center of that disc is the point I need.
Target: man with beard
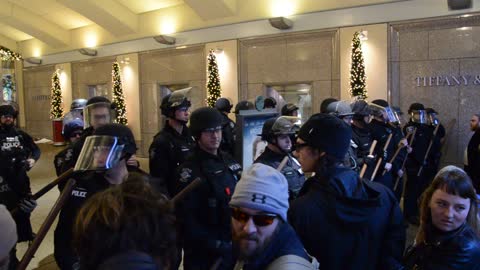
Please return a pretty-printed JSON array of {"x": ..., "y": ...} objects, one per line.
[
  {"x": 472, "y": 155},
  {"x": 18, "y": 154},
  {"x": 345, "y": 222},
  {"x": 174, "y": 143},
  {"x": 102, "y": 163},
  {"x": 204, "y": 214},
  {"x": 279, "y": 133},
  {"x": 262, "y": 238}
]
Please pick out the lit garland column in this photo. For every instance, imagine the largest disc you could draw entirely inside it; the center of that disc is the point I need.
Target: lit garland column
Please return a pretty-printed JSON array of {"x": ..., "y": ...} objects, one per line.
[
  {"x": 213, "y": 81},
  {"x": 118, "y": 98},
  {"x": 56, "y": 110},
  {"x": 358, "y": 78}
]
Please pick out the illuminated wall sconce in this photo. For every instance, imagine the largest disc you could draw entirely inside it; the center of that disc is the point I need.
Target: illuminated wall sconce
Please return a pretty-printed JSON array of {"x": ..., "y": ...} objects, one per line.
[
  {"x": 363, "y": 35},
  {"x": 34, "y": 60},
  {"x": 281, "y": 23},
  {"x": 125, "y": 61},
  {"x": 218, "y": 50},
  {"x": 88, "y": 52},
  {"x": 167, "y": 40}
]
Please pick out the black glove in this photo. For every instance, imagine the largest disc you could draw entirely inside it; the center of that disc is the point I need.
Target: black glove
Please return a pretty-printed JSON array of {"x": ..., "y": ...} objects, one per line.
[{"x": 27, "y": 205}]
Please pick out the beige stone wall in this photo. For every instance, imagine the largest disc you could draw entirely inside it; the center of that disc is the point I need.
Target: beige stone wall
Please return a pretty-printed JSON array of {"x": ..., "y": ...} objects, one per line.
[
  {"x": 310, "y": 57},
  {"x": 93, "y": 72},
  {"x": 168, "y": 67},
  {"x": 36, "y": 86},
  {"x": 438, "y": 48}
]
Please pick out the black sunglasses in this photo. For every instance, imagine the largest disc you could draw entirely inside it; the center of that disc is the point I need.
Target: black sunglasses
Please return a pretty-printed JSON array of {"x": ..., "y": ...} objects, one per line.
[{"x": 259, "y": 220}]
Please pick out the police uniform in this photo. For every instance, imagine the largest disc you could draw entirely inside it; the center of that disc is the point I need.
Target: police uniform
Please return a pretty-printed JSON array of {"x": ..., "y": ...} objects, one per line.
[
  {"x": 68, "y": 157},
  {"x": 361, "y": 142},
  {"x": 292, "y": 170},
  {"x": 228, "y": 136},
  {"x": 204, "y": 214},
  {"x": 169, "y": 150},
  {"x": 16, "y": 147}
]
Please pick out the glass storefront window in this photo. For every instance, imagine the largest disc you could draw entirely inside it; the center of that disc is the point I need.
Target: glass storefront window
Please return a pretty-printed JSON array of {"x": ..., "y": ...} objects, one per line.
[{"x": 298, "y": 94}]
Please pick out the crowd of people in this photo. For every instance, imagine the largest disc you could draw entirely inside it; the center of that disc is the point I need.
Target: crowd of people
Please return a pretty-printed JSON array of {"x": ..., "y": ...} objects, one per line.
[{"x": 325, "y": 194}]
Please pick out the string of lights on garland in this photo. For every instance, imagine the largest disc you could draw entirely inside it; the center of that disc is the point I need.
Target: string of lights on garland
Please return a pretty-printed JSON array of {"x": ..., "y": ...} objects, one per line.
[
  {"x": 118, "y": 98},
  {"x": 56, "y": 110},
  {"x": 8, "y": 55},
  {"x": 213, "y": 81},
  {"x": 358, "y": 87}
]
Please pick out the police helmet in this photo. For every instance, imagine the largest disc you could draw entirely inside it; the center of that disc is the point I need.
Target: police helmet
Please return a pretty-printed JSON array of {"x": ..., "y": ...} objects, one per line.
[
  {"x": 70, "y": 127},
  {"x": 243, "y": 105},
  {"x": 325, "y": 103},
  {"x": 339, "y": 109},
  {"x": 8, "y": 110},
  {"x": 174, "y": 101},
  {"x": 361, "y": 109},
  {"x": 203, "y": 119},
  {"x": 223, "y": 105},
  {"x": 283, "y": 125},
  {"x": 78, "y": 104},
  {"x": 122, "y": 132},
  {"x": 288, "y": 109},
  {"x": 269, "y": 102}
]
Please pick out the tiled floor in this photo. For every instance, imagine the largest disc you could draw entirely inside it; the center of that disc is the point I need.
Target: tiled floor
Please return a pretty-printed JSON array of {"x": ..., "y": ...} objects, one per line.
[{"x": 42, "y": 174}]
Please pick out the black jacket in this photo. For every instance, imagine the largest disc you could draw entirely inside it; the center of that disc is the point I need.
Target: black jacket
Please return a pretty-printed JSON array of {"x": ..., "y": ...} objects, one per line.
[
  {"x": 169, "y": 150},
  {"x": 228, "y": 136},
  {"x": 204, "y": 213},
  {"x": 132, "y": 260},
  {"x": 86, "y": 186},
  {"x": 292, "y": 170},
  {"x": 72, "y": 152},
  {"x": 284, "y": 242},
  {"x": 473, "y": 159},
  {"x": 459, "y": 250},
  {"x": 349, "y": 224}
]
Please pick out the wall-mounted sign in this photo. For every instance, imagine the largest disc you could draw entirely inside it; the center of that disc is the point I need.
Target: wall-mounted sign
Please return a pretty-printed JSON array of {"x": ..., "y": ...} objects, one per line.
[{"x": 449, "y": 80}]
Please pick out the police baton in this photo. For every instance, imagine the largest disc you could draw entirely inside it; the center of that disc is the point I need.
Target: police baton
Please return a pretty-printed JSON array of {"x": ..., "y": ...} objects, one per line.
[
  {"x": 62, "y": 178},
  {"x": 370, "y": 152},
  {"x": 283, "y": 163},
  {"x": 182, "y": 194},
  {"x": 380, "y": 159},
  {"x": 42, "y": 232},
  {"x": 399, "y": 148},
  {"x": 405, "y": 160},
  {"x": 428, "y": 149}
]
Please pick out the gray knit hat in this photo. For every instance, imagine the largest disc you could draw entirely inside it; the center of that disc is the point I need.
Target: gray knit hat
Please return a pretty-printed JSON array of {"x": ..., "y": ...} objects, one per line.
[
  {"x": 262, "y": 188},
  {"x": 8, "y": 233}
]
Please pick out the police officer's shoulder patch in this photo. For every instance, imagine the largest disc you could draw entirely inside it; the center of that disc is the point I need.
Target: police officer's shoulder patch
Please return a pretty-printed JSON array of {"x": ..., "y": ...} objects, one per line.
[{"x": 185, "y": 175}]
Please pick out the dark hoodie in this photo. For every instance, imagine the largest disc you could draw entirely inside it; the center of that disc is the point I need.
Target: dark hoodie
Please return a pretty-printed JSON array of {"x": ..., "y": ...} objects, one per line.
[
  {"x": 131, "y": 260},
  {"x": 349, "y": 224}
]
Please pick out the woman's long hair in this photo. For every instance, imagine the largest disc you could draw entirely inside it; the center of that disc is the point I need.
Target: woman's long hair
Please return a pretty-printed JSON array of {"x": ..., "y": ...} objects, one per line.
[{"x": 454, "y": 181}]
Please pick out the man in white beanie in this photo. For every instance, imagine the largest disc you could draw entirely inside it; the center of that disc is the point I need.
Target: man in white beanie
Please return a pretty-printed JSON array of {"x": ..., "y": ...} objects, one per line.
[
  {"x": 8, "y": 236},
  {"x": 262, "y": 238}
]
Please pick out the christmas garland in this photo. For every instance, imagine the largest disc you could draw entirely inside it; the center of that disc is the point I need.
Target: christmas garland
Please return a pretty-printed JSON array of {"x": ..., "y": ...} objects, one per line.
[{"x": 8, "y": 55}]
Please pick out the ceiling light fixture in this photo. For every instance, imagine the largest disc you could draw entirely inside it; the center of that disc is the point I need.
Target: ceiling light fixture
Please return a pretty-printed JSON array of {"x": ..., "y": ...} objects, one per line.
[
  {"x": 281, "y": 23},
  {"x": 88, "y": 52},
  {"x": 34, "y": 60},
  {"x": 163, "y": 39}
]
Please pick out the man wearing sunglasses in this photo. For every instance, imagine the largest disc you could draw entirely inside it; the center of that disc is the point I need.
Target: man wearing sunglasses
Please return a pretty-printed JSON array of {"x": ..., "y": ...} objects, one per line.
[
  {"x": 262, "y": 238},
  {"x": 345, "y": 222},
  {"x": 72, "y": 131},
  {"x": 204, "y": 214}
]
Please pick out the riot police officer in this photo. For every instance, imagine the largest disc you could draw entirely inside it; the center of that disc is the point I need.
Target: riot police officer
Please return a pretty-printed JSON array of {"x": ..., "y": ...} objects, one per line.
[
  {"x": 361, "y": 136},
  {"x": 420, "y": 170},
  {"x": 18, "y": 154},
  {"x": 97, "y": 112},
  {"x": 72, "y": 131},
  {"x": 269, "y": 103},
  {"x": 290, "y": 109},
  {"x": 342, "y": 110},
  {"x": 279, "y": 133},
  {"x": 228, "y": 126},
  {"x": 204, "y": 214},
  {"x": 381, "y": 129},
  {"x": 174, "y": 143},
  {"x": 101, "y": 164}
]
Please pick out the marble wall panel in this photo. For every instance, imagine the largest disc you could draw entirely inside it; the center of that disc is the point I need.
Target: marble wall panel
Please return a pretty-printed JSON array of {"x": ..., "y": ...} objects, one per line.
[
  {"x": 413, "y": 46},
  {"x": 394, "y": 82},
  {"x": 150, "y": 111},
  {"x": 267, "y": 62},
  {"x": 155, "y": 68},
  {"x": 92, "y": 72},
  {"x": 309, "y": 60},
  {"x": 189, "y": 66},
  {"x": 254, "y": 90},
  {"x": 320, "y": 91},
  {"x": 37, "y": 101},
  {"x": 394, "y": 45},
  {"x": 454, "y": 43}
]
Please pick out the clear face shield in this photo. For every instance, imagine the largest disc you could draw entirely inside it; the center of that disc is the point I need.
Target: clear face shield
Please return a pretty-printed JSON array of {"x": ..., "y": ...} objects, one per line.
[
  {"x": 419, "y": 116},
  {"x": 432, "y": 119},
  {"x": 99, "y": 153},
  {"x": 180, "y": 98},
  {"x": 386, "y": 112},
  {"x": 98, "y": 114}
]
